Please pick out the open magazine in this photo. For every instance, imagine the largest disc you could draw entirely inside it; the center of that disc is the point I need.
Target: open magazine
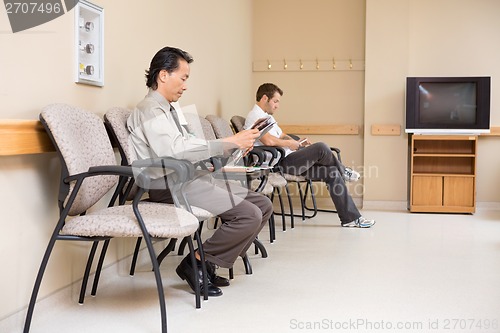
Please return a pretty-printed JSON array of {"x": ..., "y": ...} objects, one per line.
[{"x": 263, "y": 125}]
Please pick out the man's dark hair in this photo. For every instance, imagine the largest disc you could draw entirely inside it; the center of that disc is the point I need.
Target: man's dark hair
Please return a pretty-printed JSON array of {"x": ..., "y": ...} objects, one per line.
[
  {"x": 268, "y": 89},
  {"x": 165, "y": 59}
]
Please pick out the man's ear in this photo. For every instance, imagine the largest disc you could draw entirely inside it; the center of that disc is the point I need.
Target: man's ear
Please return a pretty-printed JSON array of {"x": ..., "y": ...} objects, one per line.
[{"x": 163, "y": 76}]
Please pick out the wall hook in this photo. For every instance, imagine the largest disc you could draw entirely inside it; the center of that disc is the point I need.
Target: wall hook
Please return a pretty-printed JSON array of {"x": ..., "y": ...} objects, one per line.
[
  {"x": 334, "y": 65},
  {"x": 268, "y": 64},
  {"x": 285, "y": 65},
  {"x": 317, "y": 63},
  {"x": 301, "y": 64},
  {"x": 350, "y": 63}
]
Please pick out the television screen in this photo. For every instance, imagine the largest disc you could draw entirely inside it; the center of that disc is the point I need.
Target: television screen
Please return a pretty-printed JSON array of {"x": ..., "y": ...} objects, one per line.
[{"x": 447, "y": 103}]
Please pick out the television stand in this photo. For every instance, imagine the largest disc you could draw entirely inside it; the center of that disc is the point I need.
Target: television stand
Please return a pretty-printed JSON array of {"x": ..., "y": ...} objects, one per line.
[{"x": 442, "y": 173}]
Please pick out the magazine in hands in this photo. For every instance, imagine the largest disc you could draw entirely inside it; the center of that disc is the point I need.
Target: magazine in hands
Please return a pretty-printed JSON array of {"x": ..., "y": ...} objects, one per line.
[{"x": 263, "y": 125}]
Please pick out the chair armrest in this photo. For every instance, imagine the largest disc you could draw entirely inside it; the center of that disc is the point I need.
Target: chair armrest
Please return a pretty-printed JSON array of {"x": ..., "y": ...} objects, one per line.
[
  {"x": 148, "y": 170},
  {"x": 276, "y": 153},
  {"x": 116, "y": 170},
  {"x": 261, "y": 157}
]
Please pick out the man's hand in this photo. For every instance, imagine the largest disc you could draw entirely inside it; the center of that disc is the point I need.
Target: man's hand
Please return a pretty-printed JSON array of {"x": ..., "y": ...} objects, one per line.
[
  {"x": 292, "y": 144},
  {"x": 244, "y": 139},
  {"x": 304, "y": 142}
]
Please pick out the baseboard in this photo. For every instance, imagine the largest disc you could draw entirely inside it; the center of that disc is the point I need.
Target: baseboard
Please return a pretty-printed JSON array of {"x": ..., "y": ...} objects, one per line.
[
  {"x": 403, "y": 205},
  {"x": 488, "y": 205},
  {"x": 385, "y": 205}
]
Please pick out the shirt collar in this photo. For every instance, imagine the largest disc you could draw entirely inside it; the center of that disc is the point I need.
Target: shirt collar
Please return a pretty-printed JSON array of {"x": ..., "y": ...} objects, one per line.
[{"x": 154, "y": 94}]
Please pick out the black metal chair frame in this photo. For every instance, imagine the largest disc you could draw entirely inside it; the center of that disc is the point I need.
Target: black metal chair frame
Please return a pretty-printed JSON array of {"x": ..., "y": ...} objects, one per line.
[{"x": 125, "y": 172}]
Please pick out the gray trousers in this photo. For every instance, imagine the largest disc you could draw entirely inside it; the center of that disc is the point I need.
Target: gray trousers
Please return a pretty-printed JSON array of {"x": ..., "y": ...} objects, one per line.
[
  {"x": 317, "y": 162},
  {"x": 243, "y": 213}
]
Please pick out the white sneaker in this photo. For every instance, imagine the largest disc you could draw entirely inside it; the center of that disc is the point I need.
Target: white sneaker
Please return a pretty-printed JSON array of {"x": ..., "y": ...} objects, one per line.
[
  {"x": 359, "y": 223},
  {"x": 350, "y": 175}
]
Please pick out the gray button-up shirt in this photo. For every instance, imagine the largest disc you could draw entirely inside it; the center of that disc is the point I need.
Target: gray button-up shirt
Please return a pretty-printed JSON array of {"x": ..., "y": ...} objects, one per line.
[{"x": 154, "y": 133}]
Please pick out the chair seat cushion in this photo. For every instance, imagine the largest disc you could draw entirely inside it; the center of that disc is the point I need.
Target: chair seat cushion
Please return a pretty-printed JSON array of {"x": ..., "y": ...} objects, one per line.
[
  {"x": 162, "y": 221},
  {"x": 295, "y": 178},
  {"x": 268, "y": 188},
  {"x": 276, "y": 180},
  {"x": 201, "y": 213}
]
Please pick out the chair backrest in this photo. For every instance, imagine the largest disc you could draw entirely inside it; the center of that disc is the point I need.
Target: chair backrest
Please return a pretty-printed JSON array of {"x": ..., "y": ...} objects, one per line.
[
  {"x": 81, "y": 142},
  {"x": 222, "y": 128},
  {"x": 199, "y": 126},
  {"x": 116, "y": 121},
  {"x": 238, "y": 123}
]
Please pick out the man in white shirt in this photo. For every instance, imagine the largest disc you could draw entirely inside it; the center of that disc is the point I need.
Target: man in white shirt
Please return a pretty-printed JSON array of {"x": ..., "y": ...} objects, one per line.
[
  {"x": 313, "y": 160},
  {"x": 155, "y": 131}
]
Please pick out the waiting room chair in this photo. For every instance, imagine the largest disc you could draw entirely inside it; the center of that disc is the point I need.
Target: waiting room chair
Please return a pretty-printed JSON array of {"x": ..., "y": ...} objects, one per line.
[
  {"x": 115, "y": 120},
  {"x": 277, "y": 178},
  {"x": 238, "y": 123},
  {"x": 201, "y": 128},
  {"x": 88, "y": 173},
  {"x": 222, "y": 129}
]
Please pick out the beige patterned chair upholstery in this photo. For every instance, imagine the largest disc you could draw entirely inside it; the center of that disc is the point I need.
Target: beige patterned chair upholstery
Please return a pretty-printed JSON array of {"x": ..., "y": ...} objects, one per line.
[
  {"x": 88, "y": 173},
  {"x": 199, "y": 126}
]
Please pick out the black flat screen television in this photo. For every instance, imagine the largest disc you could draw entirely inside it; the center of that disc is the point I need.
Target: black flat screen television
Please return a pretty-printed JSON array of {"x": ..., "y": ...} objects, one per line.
[{"x": 448, "y": 105}]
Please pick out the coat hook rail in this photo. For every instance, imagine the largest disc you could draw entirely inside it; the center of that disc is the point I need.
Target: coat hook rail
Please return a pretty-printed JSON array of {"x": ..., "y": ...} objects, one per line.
[{"x": 316, "y": 64}]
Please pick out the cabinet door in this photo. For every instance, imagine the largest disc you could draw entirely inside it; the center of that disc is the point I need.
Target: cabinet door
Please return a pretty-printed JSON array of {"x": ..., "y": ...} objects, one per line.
[
  {"x": 427, "y": 191},
  {"x": 459, "y": 191}
]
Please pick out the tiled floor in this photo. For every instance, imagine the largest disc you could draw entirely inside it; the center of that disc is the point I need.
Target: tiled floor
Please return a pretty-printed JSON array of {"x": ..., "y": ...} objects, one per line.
[{"x": 409, "y": 273}]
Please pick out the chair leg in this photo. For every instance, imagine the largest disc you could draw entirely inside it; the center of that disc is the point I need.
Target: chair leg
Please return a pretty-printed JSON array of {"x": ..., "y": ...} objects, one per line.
[
  {"x": 183, "y": 243},
  {"x": 301, "y": 195},
  {"x": 203, "y": 264},
  {"x": 38, "y": 282},
  {"x": 159, "y": 283},
  {"x": 248, "y": 266},
  {"x": 313, "y": 199},
  {"x": 182, "y": 246},
  {"x": 282, "y": 208},
  {"x": 99, "y": 267},
  {"x": 87, "y": 271},
  {"x": 197, "y": 291},
  {"x": 134, "y": 257},
  {"x": 289, "y": 197},
  {"x": 272, "y": 229},
  {"x": 302, "y": 198},
  {"x": 169, "y": 248},
  {"x": 258, "y": 244}
]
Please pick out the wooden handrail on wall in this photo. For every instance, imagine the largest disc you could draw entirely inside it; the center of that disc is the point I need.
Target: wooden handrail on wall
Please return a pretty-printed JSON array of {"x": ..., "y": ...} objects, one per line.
[
  {"x": 18, "y": 137},
  {"x": 321, "y": 129}
]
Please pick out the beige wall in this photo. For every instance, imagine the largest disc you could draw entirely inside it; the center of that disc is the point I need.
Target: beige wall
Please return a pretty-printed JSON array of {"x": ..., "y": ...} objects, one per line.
[
  {"x": 37, "y": 68},
  {"x": 425, "y": 38},
  {"x": 322, "y": 30}
]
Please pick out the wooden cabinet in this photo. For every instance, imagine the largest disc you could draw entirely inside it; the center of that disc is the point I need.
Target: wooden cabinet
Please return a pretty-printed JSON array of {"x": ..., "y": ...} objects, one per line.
[{"x": 442, "y": 173}]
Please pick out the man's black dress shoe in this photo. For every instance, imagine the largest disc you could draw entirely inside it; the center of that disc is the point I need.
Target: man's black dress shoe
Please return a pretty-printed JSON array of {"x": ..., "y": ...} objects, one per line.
[
  {"x": 216, "y": 280},
  {"x": 185, "y": 272}
]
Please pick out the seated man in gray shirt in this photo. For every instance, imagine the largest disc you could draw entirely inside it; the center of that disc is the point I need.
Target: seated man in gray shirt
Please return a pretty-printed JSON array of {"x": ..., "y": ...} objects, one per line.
[
  {"x": 315, "y": 161},
  {"x": 156, "y": 132}
]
